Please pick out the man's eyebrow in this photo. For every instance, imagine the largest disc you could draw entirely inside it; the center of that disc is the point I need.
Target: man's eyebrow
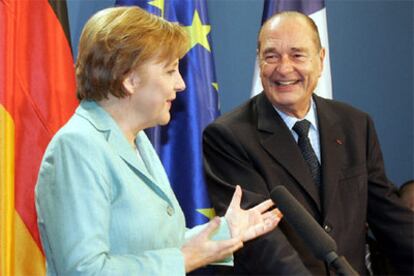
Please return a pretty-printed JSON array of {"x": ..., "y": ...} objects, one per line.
[
  {"x": 298, "y": 49},
  {"x": 292, "y": 49},
  {"x": 269, "y": 50}
]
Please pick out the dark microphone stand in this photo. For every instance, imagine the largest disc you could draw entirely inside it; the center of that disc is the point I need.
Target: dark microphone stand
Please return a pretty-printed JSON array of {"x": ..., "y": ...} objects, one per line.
[
  {"x": 320, "y": 243},
  {"x": 339, "y": 264}
]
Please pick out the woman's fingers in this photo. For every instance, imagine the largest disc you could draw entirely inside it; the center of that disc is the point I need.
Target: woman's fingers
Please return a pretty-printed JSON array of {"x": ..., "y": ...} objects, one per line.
[
  {"x": 272, "y": 213},
  {"x": 268, "y": 222},
  {"x": 210, "y": 228},
  {"x": 236, "y": 199},
  {"x": 265, "y": 205}
]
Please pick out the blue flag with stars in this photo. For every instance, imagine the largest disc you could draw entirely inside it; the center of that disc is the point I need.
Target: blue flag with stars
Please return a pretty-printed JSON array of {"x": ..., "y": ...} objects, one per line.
[{"x": 179, "y": 143}]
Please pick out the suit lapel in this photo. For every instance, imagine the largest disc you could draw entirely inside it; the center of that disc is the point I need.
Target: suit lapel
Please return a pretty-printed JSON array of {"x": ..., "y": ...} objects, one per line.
[
  {"x": 154, "y": 167},
  {"x": 120, "y": 145},
  {"x": 104, "y": 123},
  {"x": 277, "y": 140},
  {"x": 332, "y": 141}
]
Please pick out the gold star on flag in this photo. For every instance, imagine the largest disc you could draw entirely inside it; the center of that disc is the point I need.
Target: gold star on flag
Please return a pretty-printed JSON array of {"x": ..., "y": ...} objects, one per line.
[
  {"x": 198, "y": 32},
  {"x": 159, "y": 4},
  {"x": 215, "y": 85},
  {"x": 208, "y": 212}
]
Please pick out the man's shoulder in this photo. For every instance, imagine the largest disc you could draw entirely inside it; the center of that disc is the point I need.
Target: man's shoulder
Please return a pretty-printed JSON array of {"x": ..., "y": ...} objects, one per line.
[
  {"x": 338, "y": 108},
  {"x": 244, "y": 113}
]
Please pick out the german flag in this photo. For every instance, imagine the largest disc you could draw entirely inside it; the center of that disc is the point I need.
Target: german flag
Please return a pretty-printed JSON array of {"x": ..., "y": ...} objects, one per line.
[{"x": 37, "y": 96}]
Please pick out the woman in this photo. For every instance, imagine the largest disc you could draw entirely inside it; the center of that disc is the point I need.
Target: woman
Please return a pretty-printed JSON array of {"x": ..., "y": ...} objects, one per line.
[{"x": 103, "y": 200}]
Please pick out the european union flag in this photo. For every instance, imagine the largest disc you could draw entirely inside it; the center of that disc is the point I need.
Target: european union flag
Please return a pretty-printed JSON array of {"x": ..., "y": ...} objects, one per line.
[{"x": 179, "y": 143}]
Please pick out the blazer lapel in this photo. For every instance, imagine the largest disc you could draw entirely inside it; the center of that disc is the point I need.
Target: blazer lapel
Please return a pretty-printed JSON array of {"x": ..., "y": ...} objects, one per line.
[
  {"x": 332, "y": 141},
  {"x": 154, "y": 166},
  {"x": 121, "y": 146},
  {"x": 104, "y": 123},
  {"x": 277, "y": 140}
]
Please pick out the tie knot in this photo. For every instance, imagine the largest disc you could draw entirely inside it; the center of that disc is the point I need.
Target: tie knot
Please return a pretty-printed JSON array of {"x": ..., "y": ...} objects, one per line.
[{"x": 302, "y": 128}]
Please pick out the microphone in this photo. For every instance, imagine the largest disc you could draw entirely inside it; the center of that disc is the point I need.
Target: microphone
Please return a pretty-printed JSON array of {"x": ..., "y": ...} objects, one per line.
[{"x": 321, "y": 244}]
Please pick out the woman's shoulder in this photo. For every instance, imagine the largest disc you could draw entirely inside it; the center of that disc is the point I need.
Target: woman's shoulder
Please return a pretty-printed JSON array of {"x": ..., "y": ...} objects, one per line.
[{"x": 77, "y": 135}]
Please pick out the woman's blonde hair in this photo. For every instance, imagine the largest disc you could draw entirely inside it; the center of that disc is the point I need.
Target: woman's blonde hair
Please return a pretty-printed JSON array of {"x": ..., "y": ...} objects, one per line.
[{"x": 116, "y": 41}]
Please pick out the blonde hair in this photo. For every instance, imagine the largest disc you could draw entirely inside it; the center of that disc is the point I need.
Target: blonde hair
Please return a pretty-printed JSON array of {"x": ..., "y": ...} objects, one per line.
[{"x": 116, "y": 41}]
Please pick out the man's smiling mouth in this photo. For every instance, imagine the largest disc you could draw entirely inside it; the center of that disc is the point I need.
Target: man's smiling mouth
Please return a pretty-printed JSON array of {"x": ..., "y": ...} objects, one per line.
[{"x": 285, "y": 83}]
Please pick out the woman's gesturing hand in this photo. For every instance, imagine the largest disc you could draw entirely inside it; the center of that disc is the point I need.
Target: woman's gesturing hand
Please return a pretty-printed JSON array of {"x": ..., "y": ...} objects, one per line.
[
  {"x": 251, "y": 223},
  {"x": 201, "y": 250},
  {"x": 244, "y": 225}
]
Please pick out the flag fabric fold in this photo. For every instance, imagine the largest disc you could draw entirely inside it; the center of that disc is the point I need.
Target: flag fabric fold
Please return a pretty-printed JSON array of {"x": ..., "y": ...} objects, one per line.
[
  {"x": 179, "y": 143},
  {"x": 317, "y": 11},
  {"x": 37, "y": 95}
]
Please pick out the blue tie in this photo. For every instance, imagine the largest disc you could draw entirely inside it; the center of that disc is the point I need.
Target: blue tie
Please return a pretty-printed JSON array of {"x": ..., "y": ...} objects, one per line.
[{"x": 302, "y": 129}]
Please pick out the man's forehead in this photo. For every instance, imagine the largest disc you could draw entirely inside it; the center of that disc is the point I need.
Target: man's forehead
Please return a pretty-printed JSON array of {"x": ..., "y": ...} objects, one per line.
[
  {"x": 289, "y": 32},
  {"x": 292, "y": 23},
  {"x": 274, "y": 23},
  {"x": 274, "y": 42}
]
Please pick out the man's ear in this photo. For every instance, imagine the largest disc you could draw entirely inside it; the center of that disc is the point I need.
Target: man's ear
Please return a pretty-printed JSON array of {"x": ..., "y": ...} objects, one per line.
[
  {"x": 131, "y": 82},
  {"x": 322, "y": 58}
]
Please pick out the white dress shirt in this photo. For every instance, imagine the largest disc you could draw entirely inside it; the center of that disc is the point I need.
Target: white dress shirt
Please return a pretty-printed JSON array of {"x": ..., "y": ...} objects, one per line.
[{"x": 313, "y": 134}]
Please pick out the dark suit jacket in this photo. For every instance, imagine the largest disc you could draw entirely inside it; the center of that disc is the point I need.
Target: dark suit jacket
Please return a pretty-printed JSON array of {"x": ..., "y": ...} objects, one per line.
[{"x": 251, "y": 146}]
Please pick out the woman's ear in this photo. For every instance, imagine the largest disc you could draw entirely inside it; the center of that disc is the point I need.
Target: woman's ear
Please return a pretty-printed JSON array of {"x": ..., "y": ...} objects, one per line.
[{"x": 131, "y": 82}]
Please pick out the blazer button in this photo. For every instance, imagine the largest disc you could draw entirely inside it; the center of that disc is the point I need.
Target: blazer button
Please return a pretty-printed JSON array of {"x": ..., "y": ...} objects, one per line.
[
  {"x": 327, "y": 228},
  {"x": 170, "y": 210}
]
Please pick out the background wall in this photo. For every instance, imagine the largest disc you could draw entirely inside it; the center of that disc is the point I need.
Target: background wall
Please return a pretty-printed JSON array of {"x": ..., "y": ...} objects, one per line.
[{"x": 371, "y": 45}]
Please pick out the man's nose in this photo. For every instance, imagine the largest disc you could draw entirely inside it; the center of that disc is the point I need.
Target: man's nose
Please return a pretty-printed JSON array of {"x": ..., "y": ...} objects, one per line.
[{"x": 285, "y": 65}]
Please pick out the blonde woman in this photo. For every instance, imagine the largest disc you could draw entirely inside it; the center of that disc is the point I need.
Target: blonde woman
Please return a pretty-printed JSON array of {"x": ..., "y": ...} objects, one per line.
[{"x": 103, "y": 199}]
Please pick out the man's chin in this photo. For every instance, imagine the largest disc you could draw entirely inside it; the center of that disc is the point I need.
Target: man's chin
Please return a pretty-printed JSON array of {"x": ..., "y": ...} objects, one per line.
[{"x": 283, "y": 99}]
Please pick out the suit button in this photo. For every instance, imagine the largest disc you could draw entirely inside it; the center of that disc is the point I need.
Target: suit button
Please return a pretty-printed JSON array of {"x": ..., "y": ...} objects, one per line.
[
  {"x": 170, "y": 210},
  {"x": 327, "y": 228}
]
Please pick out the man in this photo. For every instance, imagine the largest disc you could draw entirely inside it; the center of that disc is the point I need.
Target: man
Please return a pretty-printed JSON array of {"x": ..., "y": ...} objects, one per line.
[{"x": 335, "y": 170}]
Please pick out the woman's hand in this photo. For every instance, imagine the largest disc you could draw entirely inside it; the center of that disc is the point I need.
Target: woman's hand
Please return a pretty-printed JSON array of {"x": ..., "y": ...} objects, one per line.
[
  {"x": 201, "y": 250},
  {"x": 251, "y": 223},
  {"x": 244, "y": 225}
]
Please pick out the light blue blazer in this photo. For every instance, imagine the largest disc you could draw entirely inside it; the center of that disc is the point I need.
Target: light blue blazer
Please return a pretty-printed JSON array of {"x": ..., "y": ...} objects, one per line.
[{"x": 101, "y": 209}]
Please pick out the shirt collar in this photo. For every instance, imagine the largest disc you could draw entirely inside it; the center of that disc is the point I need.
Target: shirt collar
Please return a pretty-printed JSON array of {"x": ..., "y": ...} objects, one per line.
[{"x": 310, "y": 116}]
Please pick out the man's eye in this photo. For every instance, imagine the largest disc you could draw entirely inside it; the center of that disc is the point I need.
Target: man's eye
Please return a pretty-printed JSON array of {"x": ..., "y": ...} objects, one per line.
[
  {"x": 299, "y": 56},
  {"x": 270, "y": 58}
]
